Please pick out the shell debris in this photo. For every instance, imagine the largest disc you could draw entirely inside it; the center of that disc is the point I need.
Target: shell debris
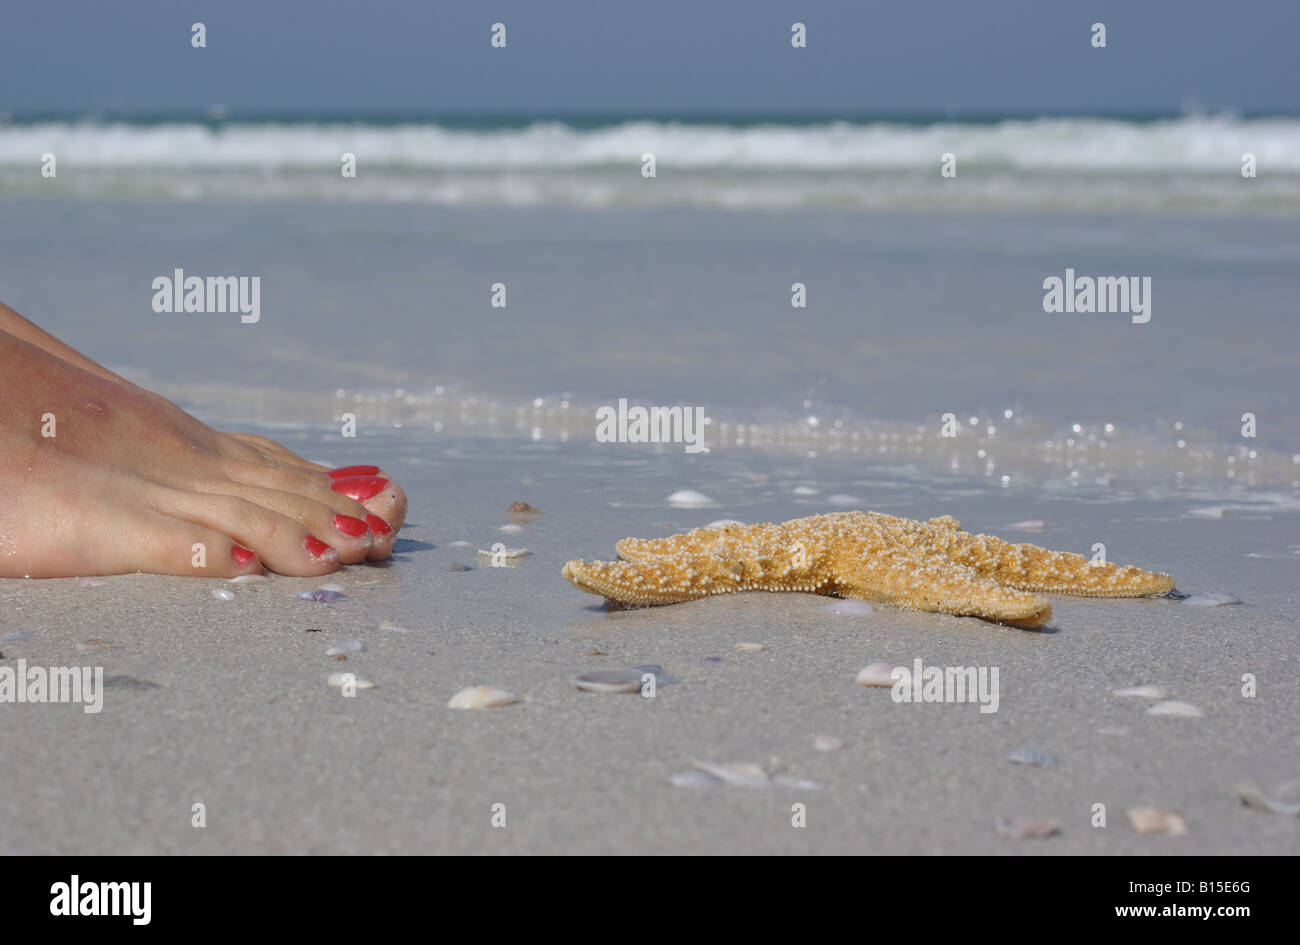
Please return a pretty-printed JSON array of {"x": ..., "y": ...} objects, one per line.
[
  {"x": 749, "y": 648},
  {"x": 881, "y": 675},
  {"x": 481, "y": 697},
  {"x": 608, "y": 680},
  {"x": 1179, "y": 709},
  {"x": 690, "y": 499},
  {"x": 1027, "y": 828},
  {"x": 1143, "y": 692},
  {"x": 221, "y": 593},
  {"x": 1155, "y": 820}
]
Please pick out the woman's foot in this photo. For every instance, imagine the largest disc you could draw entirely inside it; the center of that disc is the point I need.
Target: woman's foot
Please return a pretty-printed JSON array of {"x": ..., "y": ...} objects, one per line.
[{"x": 104, "y": 477}]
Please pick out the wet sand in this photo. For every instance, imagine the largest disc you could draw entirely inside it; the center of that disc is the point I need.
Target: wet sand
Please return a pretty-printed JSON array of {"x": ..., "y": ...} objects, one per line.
[{"x": 240, "y": 717}]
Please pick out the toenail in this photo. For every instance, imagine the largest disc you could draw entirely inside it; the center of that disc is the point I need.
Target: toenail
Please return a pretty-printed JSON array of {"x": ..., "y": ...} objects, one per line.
[
  {"x": 378, "y": 525},
  {"x": 344, "y": 472},
  {"x": 318, "y": 549},
  {"x": 349, "y": 525},
  {"x": 360, "y": 488},
  {"x": 241, "y": 555}
]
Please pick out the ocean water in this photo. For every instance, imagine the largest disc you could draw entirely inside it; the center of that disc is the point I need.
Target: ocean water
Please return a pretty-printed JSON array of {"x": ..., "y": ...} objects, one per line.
[{"x": 924, "y": 294}]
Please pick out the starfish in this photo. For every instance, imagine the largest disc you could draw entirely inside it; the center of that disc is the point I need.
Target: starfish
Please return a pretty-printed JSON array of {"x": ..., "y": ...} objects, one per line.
[{"x": 931, "y": 566}]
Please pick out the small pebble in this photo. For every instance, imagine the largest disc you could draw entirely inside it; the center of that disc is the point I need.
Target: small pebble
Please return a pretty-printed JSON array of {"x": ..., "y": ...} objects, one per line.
[
  {"x": 608, "y": 680},
  {"x": 339, "y": 680},
  {"x": 880, "y": 674},
  {"x": 223, "y": 594},
  {"x": 1181, "y": 709},
  {"x": 323, "y": 594},
  {"x": 250, "y": 579},
  {"x": 1211, "y": 599},
  {"x": 1155, "y": 820},
  {"x": 749, "y": 648},
  {"x": 313, "y": 630},
  {"x": 347, "y": 646},
  {"x": 1143, "y": 692},
  {"x": 827, "y": 743},
  {"x": 850, "y": 608},
  {"x": 1035, "y": 757},
  {"x": 481, "y": 697},
  {"x": 1027, "y": 828},
  {"x": 689, "y": 499}
]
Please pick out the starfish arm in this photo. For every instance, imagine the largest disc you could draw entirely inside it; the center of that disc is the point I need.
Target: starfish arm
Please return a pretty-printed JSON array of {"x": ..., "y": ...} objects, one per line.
[
  {"x": 664, "y": 580},
  {"x": 726, "y": 539},
  {"x": 1031, "y": 568},
  {"x": 936, "y": 584}
]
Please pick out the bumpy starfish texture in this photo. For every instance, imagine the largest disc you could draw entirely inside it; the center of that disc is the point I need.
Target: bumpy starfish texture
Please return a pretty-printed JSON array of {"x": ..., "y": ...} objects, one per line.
[{"x": 932, "y": 566}]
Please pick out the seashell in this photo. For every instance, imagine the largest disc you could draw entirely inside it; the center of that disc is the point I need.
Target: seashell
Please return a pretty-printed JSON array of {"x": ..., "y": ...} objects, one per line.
[
  {"x": 749, "y": 648},
  {"x": 93, "y": 582},
  {"x": 608, "y": 680},
  {"x": 221, "y": 593},
  {"x": 336, "y": 588},
  {"x": 1143, "y": 692},
  {"x": 723, "y": 522},
  {"x": 323, "y": 595},
  {"x": 1027, "y": 828},
  {"x": 850, "y": 608},
  {"x": 805, "y": 490},
  {"x": 881, "y": 674},
  {"x": 511, "y": 529},
  {"x": 695, "y": 779},
  {"x": 347, "y": 646},
  {"x": 1181, "y": 709},
  {"x": 504, "y": 552},
  {"x": 737, "y": 773},
  {"x": 690, "y": 499},
  {"x": 389, "y": 625},
  {"x": 1035, "y": 757},
  {"x": 827, "y": 743},
  {"x": 1029, "y": 525},
  {"x": 841, "y": 498},
  {"x": 798, "y": 784},
  {"x": 481, "y": 697},
  {"x": 1255, "y": 799},
  {"x": 1211, "y": 599},
  {"x": 250, "y": 579},
  {"x": 339, "y": 680},
  {"x": 1155, "y": 820}
]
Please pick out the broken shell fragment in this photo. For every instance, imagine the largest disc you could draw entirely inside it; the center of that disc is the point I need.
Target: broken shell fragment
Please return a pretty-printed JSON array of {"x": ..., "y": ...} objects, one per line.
[
  {"x": 1180, "y": 709},
  {"x": 880, "y": 674},
  {"x": 1155, "y": 820},
  {"x": 749, "y": 648},
  {"x": 1250, "y": 796},
  {"x": 481, "y": 697},
  {"x": 1143, "y": 692},
  {"x": 1027, "y": 828},
  {"x": 608, "y": 680}
]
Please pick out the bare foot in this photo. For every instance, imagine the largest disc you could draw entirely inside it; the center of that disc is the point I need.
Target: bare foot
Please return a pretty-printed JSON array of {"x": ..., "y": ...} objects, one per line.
[{"x": 130, "y": 482}]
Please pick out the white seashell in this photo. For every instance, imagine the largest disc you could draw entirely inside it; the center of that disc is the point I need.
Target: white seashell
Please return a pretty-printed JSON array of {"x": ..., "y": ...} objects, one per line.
[
  {"x": 1255, "y": 799},
  {"x": 738, "y": 773},
  {"x": 827, "y": 743},
  {"x": 850, "y": 608},
  {"x": 696, "y": 779},
  {"x": 339, "y": 680},
  {"x": 882, "y": 675},
  {"x": 841, "y": 498},
  {"x": 347, "y": 646},
  {"x": 250, "y": 579},
  {"x": 1035, "y": 757},
  {"x": 1029, "y": 525},
  {"x": 511, "y": 529},
  {"x": 1155, "y": 820},
  {"x": 1211, "y": 599},
  {"x": 749, "y": 648},
  {"x": 608, "y": 680},
  {"x": 1182, "y": 709},
  {"x": 1027, "y": 828},
  {"x": 1143, "y": 692},
  {"x": 799, "y": 784},
  {"x": 805, "y": 490},
  {"x": 690, "y": 499},
  {"x": 481, "y": 697},
  {"x": 223, "y": 594},
  {"x": 722, "y": 522},
  {"x": 336, "y": 588},
  {"x": 389, "y": 625}
]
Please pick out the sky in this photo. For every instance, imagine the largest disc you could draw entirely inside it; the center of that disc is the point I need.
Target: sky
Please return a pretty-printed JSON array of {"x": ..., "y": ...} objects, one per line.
[{"x": 631, "y": 57}]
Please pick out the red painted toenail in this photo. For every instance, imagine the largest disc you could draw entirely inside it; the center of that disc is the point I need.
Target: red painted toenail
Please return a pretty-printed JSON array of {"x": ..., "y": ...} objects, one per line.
[
  {"x": 350, "y": 525},
  {"x": 344, "y": 471},
  {"x": 318, "y": 549},
  {"x": 241, "y": 555},
  {"x": 360, "y": 488},
  {"x": 378, "y": 525}
]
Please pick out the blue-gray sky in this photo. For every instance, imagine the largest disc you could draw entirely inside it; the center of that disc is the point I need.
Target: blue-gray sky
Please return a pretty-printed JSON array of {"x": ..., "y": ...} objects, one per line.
[{"x": 671, "y": 56}]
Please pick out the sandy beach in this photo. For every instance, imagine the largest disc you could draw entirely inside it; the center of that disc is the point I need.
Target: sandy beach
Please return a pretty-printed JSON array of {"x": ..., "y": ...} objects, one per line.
[{"x": 225, "y": 702}]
